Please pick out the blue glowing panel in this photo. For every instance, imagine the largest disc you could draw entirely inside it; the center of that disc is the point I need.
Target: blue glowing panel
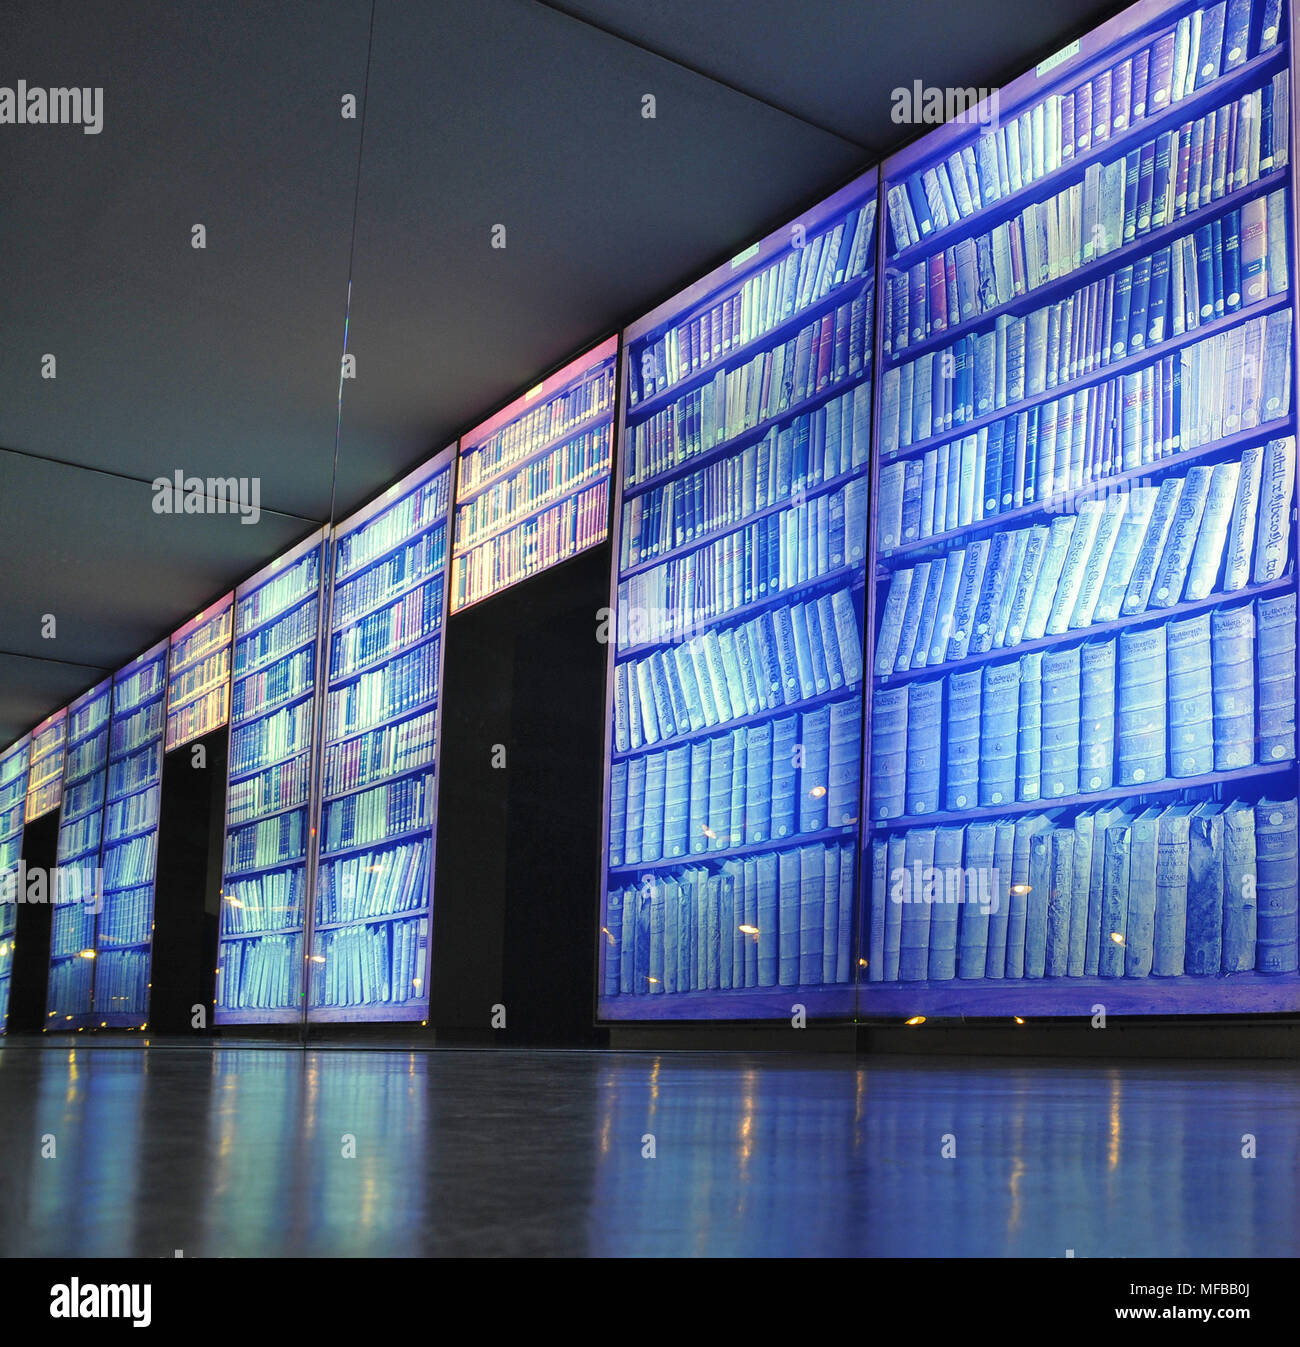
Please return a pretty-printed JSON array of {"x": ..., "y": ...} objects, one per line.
[
  {"x": 735, "y": 677},
  {"x": 198, "y": 675},
  {"x": 45, "y": 765},
  {"x": 1082, "y": 756},
  {"x": 273, "y": 707},
  {"x": 13, "y": 808},
  {"x": 129, "y": 844},
  {"x": 373, "y": 893},
  {"x": 70, "y": 990},
  {"x": 532, "y": 487}
]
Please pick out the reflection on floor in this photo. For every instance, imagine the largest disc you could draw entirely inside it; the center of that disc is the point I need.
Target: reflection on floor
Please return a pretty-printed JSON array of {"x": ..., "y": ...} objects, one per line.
[{"x": 269, "y": 1151}]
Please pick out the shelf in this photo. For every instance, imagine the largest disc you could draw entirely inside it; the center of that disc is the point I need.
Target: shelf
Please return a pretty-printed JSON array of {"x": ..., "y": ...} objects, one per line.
[
  {"x": 196, "y": 695},
  {"x": 845, "y": 832},
  {"x": 435, "y": 521},
  {"x": 735, "y": 1006},
  {"x": 247, "y": 773},
  {"x": 354, "y": 848},
  {"x": 1150, "y": 355},
  {"x": 1138, "y": 133},
  {"x": 824, "y": 488},
  {"x": 303, "y": 694},
  {"x": 430, "y": 767},
  {"x": 397, "y": 718},
  {"x": 851, "y": 573},
  {"x": 337, "y": 681},
  {"x": 1155, "y": 615},
  {"x": 727, "y": 448},
  {"x": 559, "y": 559},
  {"x": 375, "y": 605},
  {"x": 263, "y": 622},
  {"x": 847, "y": 291},
  {"x": 263, "y": 815},
  {"x": 568, "y": 492},
  {"x": 105, "y": 947},
  {"x": 1058, "y": 287},
  {"x": 1140, "y": 790},
  {"x": 126, "y": 795},
  {"x": 249, "y": 871},
  {"x": 236, "y": 1015},
  {"x": 256, "y": 935},
  {"x": 119, "y": 838},
  {"x": 399, "y": 1010},
  {"x": 589, "y": 422},
  {"x": 378, "y": 919},
  {"x": 271, "y": 660},
  {"x": 758, "y": 717},
  {"x": 153, "y": 741}
]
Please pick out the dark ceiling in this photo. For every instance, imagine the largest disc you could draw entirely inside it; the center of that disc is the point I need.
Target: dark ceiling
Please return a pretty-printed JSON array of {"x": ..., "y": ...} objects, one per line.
[{"x": 225, "y": 361}]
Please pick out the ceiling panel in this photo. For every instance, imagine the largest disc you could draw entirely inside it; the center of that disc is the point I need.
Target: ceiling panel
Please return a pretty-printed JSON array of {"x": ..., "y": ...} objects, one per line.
[
  {"x": 31, "y": 688},
  {"x": 221, "y": 360},
  {"x": 485, "y": 112}
]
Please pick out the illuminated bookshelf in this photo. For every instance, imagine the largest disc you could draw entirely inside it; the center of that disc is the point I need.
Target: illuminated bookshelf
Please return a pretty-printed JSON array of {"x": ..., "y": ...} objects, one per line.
[
  {"x": 13, "y": 805},
  {"x": 273, "y": 709},
  {"x": 532, "y": 487},
  {"x": 198, "y": 674},
  {"x": 373, "y": 893},
  {"x": 45, "y": 766}
]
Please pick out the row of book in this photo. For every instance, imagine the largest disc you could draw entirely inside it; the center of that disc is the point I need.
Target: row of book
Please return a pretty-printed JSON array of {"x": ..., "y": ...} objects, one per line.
[
  {"x": 780, "y": 657},
  {"x": 41, "y": 798},
  {"x": 1042, "y": 138},
  {"x": 88, "y": 718},
  {"x": 1211, "y": 693},
  {"x": 206, "y": 640},
  {"x": 770, "y": 296},
  {"x": 268, "y": 842},
  {"x": 592, "y": 395},
  {"x": 579, "y": 460},
  {"x": 127, "y": 915},
  {"x": 70, "y": 983},
  {"x": 1197, "y": 888},
  {"x": 833, "y": 350},
  {"x": 552, "y": 536},
  {"x": 387, "y": 631},
  {"x": 778, "y": 552},
  {"x": 373, "y": 815},
  {"x": 381, "y": 753},
  {"x": 422, "y": 557},
  {"x": 757, "y": 784},
  {"x": 374, "y": 884},
  {"x": 86, "y": 757},
  {"x": 1196, "y": 279},
  {"x": 266, "y": 644},
  {"x": 278, "y": 594},
  {"x": 122, "y": 982},
  {"x": 147, "y": 682},
  {"x": 420, "y": 509},
  {"x": 131, "y": 815},
  {"x": 257, "y": 743},
  {"x": 86, "y": 795},
  {"x": 198, "y": 717},
  {"x": 132, "y": 730},
  {"x": 813, "y": 448},
  {"x": 406, "y": 682},
  {"x": 280, "y": 786},
  {"x": 372, "y": 965},
  {"x": 130, "y": 863},
  {"x": 208, "y": 672},
  {"x": 256, "y": 693},
  {"x": 777, "y": 919},
  {"x": 269, "y": 902},
  {"x": 264, "y": 973},
  {"x": 1215, "y": 530},
  {"x": 72, "y": 925},
  {"x": 135, "y": 772},
  {"x": 79, "y": 836}
]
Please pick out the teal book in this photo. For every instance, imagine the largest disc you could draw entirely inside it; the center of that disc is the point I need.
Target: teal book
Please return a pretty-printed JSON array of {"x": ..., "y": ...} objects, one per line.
[
  {"x": 1191, "y": 697},
  {"x": 1205, "y": 855},
  {"x": 812, "y": 916},
  {"x": 1097, "y": 672},
  {"x": 1149, "y": 556},
  {"x": 1026, "y": 582},
  {"x": 1171, "y": 573},
  {"x": 929, "y": 613},
  {"x": 972, "y": 578},
  {"x": 1275, "y": 631},
  {"x": 842, "y": 787},
  {"x": 1060, "y": 902},
  {"x": 973, "y": 938},
  {"x": 677, "y": 803},
  {"x": 1240, "y": 888},
  {"x": 1140, "y": 503},
  {"x": 925, "y": 732},
  {"x": 1002, "y": 619},
  {"x": 768, "y": 919},
  {"x": 1023, "y": 876},
  {"x": 1029, "y": 729},
  {"x": 1082, "y": 540},
  {"x": 1037, "y": 903},
  {"x": 1000, "y": 709},
  {"x": 635, "y": 810},
  {"x": 888, "y": 753},
  {"x": 1232, "y": 660},
  {"x": 1060, "y": 723},
  {"x": 912, "y": 615},
  {"x": 1172, "y": 861},
  {"x": 946, "y": 910},
  {"x": 1241, "y": 531},
  {"x": 1004, "y": 835},
  {"x": 1097, "y": 562},
  {"x": 917, "y": 889},
  {"x": 1277, "y": 488},
  {"x": 1139, "y": 933},
  {"x": 814, "y": 777},
  {"x": 617, "y": 812},
  {"x": 996, "y": 574},
  {"x": 1141, "y": 727},
  {"x": 830, "y": 912},
  {"x": 1080, "y": 894},
  {"x": 1107, "y": 816},
  {"x": 962, "y": 766},
  {"x": 1049, "y": 574},
  {"x": 1114, "y": 902},
  {"x": 1212, "y": 539},
  {"x": 739, "y": 787},
  {"x": 876, "y": 915},
  {"x": 897, "y": 880},
  {"x": 1279, "y": 884},
  {"x": 789, "y": 909},
  {"x": 719, "y": 817}
]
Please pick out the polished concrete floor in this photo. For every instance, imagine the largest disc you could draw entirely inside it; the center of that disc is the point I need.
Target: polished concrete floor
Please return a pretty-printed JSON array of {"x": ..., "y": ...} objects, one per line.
[{"x": 269, "y": 1151}]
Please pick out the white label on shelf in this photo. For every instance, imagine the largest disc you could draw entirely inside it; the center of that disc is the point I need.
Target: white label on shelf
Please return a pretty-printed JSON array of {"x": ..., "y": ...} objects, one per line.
[{"x": 1052, "y": 62}]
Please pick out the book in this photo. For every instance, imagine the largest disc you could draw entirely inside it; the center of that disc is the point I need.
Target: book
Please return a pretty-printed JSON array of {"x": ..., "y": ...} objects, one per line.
[
  {"x": 1232, "y": 655},
  {"x": 1278, "y": 886},
  {"x": 1142, "y": 705}
]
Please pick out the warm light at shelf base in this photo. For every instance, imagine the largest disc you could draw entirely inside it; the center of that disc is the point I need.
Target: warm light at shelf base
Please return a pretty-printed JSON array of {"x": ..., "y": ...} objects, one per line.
[
  {"x": 86, "y": 954},
  {"x": 1017, "y": 1019},
  {"x": 1116, "y": 937},
  {"x": 652, "y": 979},
  {"x": 916, "y": 1019},
  {"x": 862, "y": 963},
  {"x": 750, "y": 930}
]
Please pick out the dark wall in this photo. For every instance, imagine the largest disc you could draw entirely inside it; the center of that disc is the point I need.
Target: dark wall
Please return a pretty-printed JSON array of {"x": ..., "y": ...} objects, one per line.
[
  {"x": 31, "y": 958},
  {"x": 518, "y": 844}
]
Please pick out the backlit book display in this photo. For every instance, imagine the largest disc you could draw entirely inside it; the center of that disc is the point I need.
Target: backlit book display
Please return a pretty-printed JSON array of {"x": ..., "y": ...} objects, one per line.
[
  {"x": 273, "y": 709},
  {"x": 532, "y": 486},
  {"x": 45, "y": 765},
  {"x": 373, "y": 893},
  {"x": 13, "y": 808},
  {"x": 129, "y": 845},
  {"x": 1081, "y": 783},
  {"x": 198, "y": 675},
  {"x": 734, "y": 731},
  {"x": 72, "y": 926}
]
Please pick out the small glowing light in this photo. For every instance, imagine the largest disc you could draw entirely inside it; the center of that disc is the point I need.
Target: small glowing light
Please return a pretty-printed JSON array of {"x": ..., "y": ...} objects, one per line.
[
  {"x": 87, "y": 954},
  {"x": 533, "y": 391},
  {"x": 862, "y": 963},
  {"x": 652, "y": 979},
  {"x": 708, "y": 832},
  {"x": 749, "y": 930},
  {"x": 1017, "y": 1019},
  {"x": 318, "y": 958},
  {"x": 234, "y": 902},
  {"x": 1116, "y": 937},
  {"x": 916, "y": 1019},
  {"x": 1020, "y": 888},
  {"x": 817, "y": 792}
]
